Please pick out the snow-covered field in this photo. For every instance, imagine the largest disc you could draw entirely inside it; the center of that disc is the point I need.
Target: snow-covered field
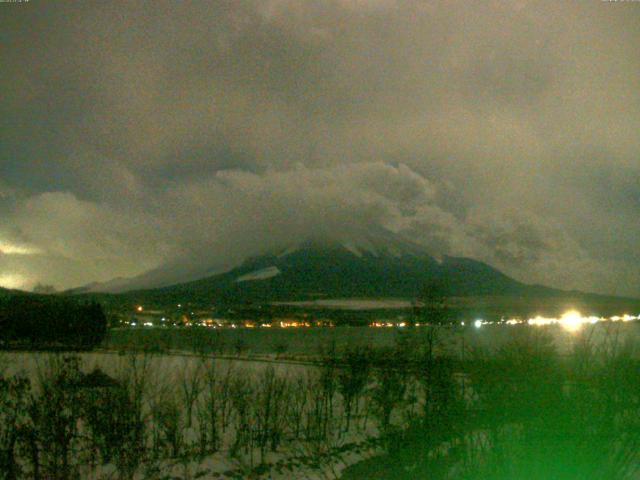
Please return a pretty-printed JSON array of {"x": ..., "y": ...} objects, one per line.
[
  {"x": 203, "y": 417},
  {"x": 265, "y": 417},
  {"x": 167, "y": 368}
]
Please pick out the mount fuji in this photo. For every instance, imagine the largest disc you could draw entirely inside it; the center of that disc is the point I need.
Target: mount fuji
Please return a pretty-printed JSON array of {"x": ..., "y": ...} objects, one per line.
[{"x": 374, "y": 265}]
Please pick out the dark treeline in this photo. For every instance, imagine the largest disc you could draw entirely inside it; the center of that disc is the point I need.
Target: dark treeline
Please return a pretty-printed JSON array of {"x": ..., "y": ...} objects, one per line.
[{"x": 45, "y": 321}]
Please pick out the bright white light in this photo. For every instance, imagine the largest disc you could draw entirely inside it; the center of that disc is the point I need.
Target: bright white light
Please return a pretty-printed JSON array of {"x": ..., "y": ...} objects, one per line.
[
  {"x": 541, "y": 321},
  {"x": 477, "y": 323},
  {"x": 462, "y": 323},
  {"x": 571, "y": 321}
]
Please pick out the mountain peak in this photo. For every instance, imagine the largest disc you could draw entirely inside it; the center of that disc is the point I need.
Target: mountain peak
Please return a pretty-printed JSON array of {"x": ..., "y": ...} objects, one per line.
[
  {"x": 364, "y": 264},
  {"x": 374, "y": 243},
  {"x": 314, "y": 270}
]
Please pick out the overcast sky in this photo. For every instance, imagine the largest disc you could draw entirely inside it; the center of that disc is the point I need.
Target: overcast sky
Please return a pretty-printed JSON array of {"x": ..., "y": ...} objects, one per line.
[{"x": 140, "y": 134}]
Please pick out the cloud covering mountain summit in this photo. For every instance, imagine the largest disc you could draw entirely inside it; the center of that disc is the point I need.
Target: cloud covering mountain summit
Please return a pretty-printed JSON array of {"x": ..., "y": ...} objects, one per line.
[{"x": 149, "y": 136}]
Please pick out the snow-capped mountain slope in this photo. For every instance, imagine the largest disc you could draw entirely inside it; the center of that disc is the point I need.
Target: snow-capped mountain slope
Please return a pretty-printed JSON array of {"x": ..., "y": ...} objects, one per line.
[
  {"x": 261, "y": 274},
  {"x": 327, "y": 269},
  {"x": 375, "y": 242}
]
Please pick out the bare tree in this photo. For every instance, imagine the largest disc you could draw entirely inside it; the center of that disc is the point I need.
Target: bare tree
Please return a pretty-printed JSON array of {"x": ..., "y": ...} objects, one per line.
[
  {"x": 387, "y": 392},
  {"x": 136, "y": 378},
  {"x": 14, "y": 393},
  {"x": 269, "y": 405},
  {"x": 191, "y": 384},
  {"x": 54, "y": 414},
  {"x": 352, "y": 379},
  {"x": 167, "y": 416},
  {"x": 209, "y": 409},
  {"x": 241, "y": 390},
  {"x": 297, "y": 407}
]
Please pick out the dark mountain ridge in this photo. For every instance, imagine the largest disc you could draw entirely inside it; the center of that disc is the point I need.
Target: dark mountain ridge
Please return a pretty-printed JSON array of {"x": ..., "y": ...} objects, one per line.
[
  {"x": 317, "y": 270},
  {"x": 375, "y": 267}
]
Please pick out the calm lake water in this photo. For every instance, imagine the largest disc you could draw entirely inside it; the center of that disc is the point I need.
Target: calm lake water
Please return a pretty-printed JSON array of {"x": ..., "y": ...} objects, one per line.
[{"x": 314, "y": 341}]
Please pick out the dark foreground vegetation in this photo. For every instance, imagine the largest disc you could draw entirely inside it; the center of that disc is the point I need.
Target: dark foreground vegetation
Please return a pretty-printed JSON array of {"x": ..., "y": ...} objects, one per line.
[
  {"x": 521, "y": 411},
  {"x": 39, "y": 322}
]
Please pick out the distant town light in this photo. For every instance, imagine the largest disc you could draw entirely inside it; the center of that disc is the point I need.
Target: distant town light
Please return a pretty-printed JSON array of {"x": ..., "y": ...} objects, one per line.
[
  {"x": 478, "y": 323},
  {"x": 541, "y": 321},
  {"x": 571, "y": 321},
  {"x": 139, "y": 308}
]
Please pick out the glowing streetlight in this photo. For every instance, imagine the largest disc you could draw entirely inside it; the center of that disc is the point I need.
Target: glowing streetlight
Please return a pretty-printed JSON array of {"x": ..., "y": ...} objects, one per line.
[{"x": 571, "y": 321}]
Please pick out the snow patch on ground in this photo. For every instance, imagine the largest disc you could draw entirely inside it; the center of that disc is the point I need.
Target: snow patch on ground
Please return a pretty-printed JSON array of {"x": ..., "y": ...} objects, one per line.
[{"x": 262, "y": 274}]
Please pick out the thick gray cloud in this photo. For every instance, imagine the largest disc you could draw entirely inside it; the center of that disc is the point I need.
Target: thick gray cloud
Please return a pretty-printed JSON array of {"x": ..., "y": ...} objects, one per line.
[{"x": 140, "y": 135}]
